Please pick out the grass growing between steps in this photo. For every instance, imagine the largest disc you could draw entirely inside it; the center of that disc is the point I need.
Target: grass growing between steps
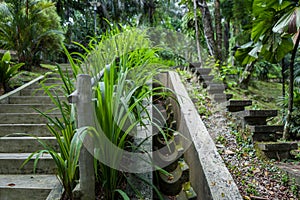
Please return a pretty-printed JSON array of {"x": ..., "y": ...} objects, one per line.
[{"x": 264, "y": 95}]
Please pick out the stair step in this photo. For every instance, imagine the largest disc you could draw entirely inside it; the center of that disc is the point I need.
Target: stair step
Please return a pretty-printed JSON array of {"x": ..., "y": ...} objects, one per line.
[
  {"x": 41, "y": 84},
  {"x": 34, "y": 129},
  {"x": 266, "y": 133},
  {"x": 238, "y": 105},
  {"x": 40, "y": 92},
  {"x": 277, "y": 150},
  {"x": 206, "y": 78},
  {"x": 26, "y": 186},
  {"x": 220, "y": 97},
  {"x": 25, "y": 144},
  {"x": 215, "y": 88},
  {"x": 195, "y": 65},
  {"x": 202, "y": 71},
  {"x": 266, "y": 129},
  {"x": 52, "y": 80},
  {"x": 24, "y": 118},
  {"x": 258, "y": 117},
  {"x": 31, "y": 99},
  {"x": 10, "y": 163},
  {"x": 25, "y": 108}
]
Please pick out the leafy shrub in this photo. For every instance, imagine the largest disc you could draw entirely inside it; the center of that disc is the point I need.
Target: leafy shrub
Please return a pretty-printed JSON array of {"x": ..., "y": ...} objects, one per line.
[
  {"x": 7, "y": 71},
  {"x": 30, "y": 27}
]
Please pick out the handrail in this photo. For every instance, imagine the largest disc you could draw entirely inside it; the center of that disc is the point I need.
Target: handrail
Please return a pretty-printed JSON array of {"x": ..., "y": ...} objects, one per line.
[
  {"x": 82, "y": 96},
  {"x": 73, "y": 97},
  {"x": 17, "y": 90}
]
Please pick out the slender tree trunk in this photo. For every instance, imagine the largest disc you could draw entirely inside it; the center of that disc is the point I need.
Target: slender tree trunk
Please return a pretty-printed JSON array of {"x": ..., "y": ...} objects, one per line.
[
  {"x": 283, "y": 84},
  {"x": 226, "y": 39},
  {"x": 286, "y": 131},
  {"x": 197, "y": 33},
  {"x": 246, "y": 76},
  {"x": 208, "y": 27},
  {"x": 218, "y": 24}
]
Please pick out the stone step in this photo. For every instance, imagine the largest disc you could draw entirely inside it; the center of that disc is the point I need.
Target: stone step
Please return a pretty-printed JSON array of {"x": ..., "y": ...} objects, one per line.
[
  {"x": 25, "y": 144},
  {"x": 25, "y": 108},
  {"x": 216, "y": 88},
  {"x": 202, "y": 71},
  {"x": 24, "y": 118},
  {"x": 40, "y": 92},
  {"x": 266, "y": 132},
  {"x": 34, "y": 129},
  {"x": 10, "y": 163},
  {"x": 277, "y": 150},
  {"x": 267, "y": 129},
  {"x": 258, "y": 117},
  {"x": 238, "y": 105},
  {"x": 26, "y": 186},
  {"x": 31, "y": 99},
  {"x": 219, "y": 98},
  {"x": 40, "y": 85},
  {"x": 52, "y": 80},
  {"x": 206, "y": 78},
  {"x": 195, "y": 65}
]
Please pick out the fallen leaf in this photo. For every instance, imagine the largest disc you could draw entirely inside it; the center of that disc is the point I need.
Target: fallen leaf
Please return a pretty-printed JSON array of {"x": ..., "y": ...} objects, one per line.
[
  {"x": 256, "y": 171},
  {"x": 229, "y": 152}
]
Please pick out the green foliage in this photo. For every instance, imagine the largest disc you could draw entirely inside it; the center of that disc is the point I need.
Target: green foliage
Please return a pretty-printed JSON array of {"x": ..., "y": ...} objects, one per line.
[
  {"x": 120, "y": 96},
  {"x": 32, "y": 28},
  {"x": 64, "y": 130},
  {"x": 265, "y": 70},
  {"x": 7, "y": 70},
  {"x": 69, "y": 142},
  {"x": 295, "y": 117}
]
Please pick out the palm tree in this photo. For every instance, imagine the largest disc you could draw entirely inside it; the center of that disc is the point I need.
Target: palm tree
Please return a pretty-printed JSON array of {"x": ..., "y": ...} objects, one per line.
[{"x": 30, "y": 27}]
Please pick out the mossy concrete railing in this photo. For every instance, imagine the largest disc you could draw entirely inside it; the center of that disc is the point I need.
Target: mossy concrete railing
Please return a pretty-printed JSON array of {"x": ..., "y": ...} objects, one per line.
[
  {"x": 4, "y": 99},
  {"x": 208, "y": 174}
]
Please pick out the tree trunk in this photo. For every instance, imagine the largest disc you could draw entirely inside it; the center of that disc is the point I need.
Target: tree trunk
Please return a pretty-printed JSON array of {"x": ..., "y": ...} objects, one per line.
[
  {"x": 226, "y": 39},
  {"x": 283, "y": 84},
  {"x": 246, "y": 76},
  {"x": 208, "y": 27},
  {"x": 286, "y": 134},
  {"x": 197, "y": 33},
  {"x": 218, "y": 24}
]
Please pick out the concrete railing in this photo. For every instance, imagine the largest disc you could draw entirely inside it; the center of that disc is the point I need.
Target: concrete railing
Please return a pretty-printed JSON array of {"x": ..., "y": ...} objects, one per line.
[
  {"x": 208, "y": 174},
  {"x": 4, "y": 99}
]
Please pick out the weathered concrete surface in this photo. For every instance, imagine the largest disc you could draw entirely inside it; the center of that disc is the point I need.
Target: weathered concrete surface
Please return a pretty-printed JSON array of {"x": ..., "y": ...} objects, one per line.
[
  {"x": 34, "y": 129},
  {"x": 276, "y": 150},
  {"x": 25, "y": 108},
  {"x": 208, "y": 174},
  {"x": 293, "y": 170},
  {"x": 4, "y": 99},
  {"x": 25, "y": 144},
  {"x": 10, "y": 163},
  {"x": 254, "y": 117},
  {"x": 25, "y": 118},
  {"x": 215, "y": 88},
  {"x": 14, "y": 187},
  {"x": 266, "y": 132},
  {"x": 238, "y": 105}
]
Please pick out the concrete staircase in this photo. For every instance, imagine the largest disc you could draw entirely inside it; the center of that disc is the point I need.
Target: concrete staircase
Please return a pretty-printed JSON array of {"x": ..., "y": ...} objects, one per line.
[{"x": 20, "y": 123}]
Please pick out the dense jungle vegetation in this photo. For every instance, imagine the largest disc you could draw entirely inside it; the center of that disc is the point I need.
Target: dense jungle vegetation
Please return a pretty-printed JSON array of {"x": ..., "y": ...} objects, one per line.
[{"x": 250, "y": 44}]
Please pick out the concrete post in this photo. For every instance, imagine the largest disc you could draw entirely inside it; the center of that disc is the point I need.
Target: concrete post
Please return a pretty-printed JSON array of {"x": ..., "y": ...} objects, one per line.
[{"x": 85, "y": 118}]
